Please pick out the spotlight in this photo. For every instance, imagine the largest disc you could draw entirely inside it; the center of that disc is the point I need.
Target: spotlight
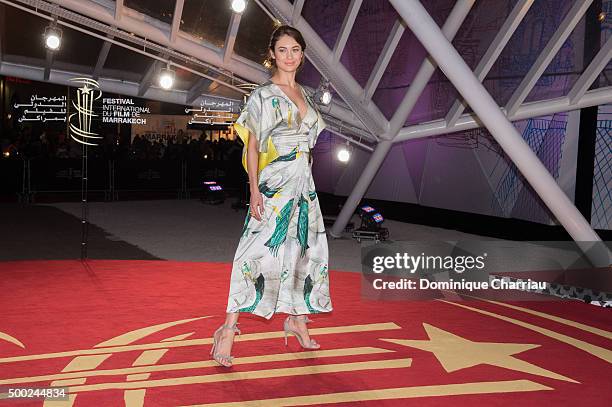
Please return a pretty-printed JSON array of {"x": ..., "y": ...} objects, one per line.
[
  {"x": 323, "y": 94},
  {"x": 326, "y": 97},
  {"x": 343, "y": 154},
  {"x": 238, "y": 6},
  {"x": 166, "y": 77},
  {"x": 53, "y": 37}
]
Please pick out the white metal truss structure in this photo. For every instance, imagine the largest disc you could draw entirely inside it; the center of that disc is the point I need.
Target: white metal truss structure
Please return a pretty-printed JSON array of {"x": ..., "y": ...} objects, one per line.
[
  {"x": 356, "y": 115},
  {"x": 497, "y": 120}
]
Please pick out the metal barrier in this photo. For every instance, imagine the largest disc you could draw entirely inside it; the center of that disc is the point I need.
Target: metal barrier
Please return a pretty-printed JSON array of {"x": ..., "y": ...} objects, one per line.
[{"x": 28, "y": 178}]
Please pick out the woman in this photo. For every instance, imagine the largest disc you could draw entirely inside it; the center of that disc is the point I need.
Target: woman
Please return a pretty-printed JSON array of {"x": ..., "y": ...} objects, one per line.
[{"x": 280, "y": 265}]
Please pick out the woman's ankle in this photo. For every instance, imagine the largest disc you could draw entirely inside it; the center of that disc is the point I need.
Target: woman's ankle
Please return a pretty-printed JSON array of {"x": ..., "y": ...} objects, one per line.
[{"x": 231, "y": 319}]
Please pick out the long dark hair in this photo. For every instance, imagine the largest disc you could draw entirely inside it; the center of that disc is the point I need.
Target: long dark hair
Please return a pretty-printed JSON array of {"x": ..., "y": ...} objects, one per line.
[{"x": 279, "y": 32}]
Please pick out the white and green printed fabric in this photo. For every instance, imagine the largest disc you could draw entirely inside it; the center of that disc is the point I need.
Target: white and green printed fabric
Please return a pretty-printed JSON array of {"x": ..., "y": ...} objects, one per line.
[{"x": 281, "y": 263}]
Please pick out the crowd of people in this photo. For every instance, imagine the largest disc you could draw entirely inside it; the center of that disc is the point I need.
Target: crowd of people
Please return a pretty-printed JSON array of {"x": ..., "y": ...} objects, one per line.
[{"x": 27, "y": 144}]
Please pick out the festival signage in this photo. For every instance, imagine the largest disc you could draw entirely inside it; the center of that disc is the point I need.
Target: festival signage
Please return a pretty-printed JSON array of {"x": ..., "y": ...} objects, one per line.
[
  {"x": 214, "y": 111},
  {"x": 123, "y": 110},
  {"x": 43, "y": 109}
]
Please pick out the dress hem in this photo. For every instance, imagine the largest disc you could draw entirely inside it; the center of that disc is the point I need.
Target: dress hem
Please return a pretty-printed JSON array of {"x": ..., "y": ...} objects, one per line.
[{"x": 280, "y": 312}]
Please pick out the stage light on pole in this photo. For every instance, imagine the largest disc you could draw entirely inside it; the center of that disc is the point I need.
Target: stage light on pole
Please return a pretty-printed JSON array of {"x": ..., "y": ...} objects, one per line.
[
  {"x": 323, "y": 94},
  {"x": 166, "y": 77},
  {"x": 238, "y": 6},
  {"x": 343, "y": 154},
  {"x": 326, "y": 97},
  {"x": 53, "y": 37}
]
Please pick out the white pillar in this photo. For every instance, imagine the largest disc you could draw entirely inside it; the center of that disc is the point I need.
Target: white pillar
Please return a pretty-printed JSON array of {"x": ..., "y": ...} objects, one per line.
[{"x": 457, "y": 71}]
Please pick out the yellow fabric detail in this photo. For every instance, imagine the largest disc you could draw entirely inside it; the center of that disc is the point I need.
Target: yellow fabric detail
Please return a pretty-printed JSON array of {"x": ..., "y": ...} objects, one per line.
[{"x": 264, "y": 158}]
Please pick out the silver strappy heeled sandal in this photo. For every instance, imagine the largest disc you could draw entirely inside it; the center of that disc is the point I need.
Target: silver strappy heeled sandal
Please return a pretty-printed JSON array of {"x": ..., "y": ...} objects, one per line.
[
  {"x": 312, "y": 344},
  {"x": 223, "y": 360}
]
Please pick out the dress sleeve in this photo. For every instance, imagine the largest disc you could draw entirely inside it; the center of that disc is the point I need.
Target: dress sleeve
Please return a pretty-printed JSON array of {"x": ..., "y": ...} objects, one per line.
[
  {"x": 316, "y": 130},
  {"x": 256, "y": 119},
  {"x": 252, "y": 119}
]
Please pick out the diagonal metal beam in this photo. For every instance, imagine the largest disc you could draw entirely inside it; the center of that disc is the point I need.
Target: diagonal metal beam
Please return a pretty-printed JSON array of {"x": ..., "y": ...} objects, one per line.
[
  {"x": 493, "y": 52},
  {"x": 529, "y": 110},
  {"x": 323, "y": 60},
  {"x": 552, "y": 47},
  {"x": 176, "y": 19},
  {"x": 147, "y": 46},
  {"x": 157, "y": 35},
  {"x": 347, "y": 26},
  {"x": 383, "y": 59},
  {"x": 148, "y": 78},
  {"x": 230, "y": 37},
  {"x": 338, "y": 132},
  {"x": 118, "y": 9},
  {"x": 298, "y": 5},
  {"x": 111, "y": 85},
  {"x": 504, "y": 132},
  {"x": 197, "y": 89},
  {"x": 102, "y": 55},
  {"x": 428, "y": 67},
  {"x": 591, "y": 73}
]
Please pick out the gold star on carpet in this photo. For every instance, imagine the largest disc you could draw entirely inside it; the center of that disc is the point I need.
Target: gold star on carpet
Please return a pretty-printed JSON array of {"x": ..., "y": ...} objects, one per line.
[{"x": 456, "y": 353}]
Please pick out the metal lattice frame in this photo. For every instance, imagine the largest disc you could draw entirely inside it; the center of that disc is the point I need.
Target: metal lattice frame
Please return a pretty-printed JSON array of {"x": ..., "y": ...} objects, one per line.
[
  {"x": 493, "y": 52},
  {"x": 546, "y": 56},
  {"x": 497, "y": 121},
  {"x": 498, "y": 124}
]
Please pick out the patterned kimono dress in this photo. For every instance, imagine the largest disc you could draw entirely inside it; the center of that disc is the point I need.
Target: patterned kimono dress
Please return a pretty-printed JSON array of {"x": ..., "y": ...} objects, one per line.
[{"x": 281, "y": 263}]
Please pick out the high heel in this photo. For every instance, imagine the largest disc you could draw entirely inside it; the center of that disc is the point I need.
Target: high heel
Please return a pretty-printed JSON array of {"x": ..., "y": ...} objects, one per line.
[
  {"x": 312, "y": 344},
  {"x": 219, "y": 358}
]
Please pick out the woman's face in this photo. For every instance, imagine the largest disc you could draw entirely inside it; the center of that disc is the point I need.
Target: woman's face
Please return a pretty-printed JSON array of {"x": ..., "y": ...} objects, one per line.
[{"x": 287, "y": 54}]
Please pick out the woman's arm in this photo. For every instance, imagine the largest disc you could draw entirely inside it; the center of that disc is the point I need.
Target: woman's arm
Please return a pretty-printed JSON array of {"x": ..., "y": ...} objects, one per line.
[{"x": 253, "y": 170}]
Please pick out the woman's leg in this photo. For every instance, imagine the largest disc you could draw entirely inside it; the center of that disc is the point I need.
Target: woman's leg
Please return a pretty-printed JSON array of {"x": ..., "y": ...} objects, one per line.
[
  {"x": 298, "y": 323},
  {"x": 224, "y": 337}
]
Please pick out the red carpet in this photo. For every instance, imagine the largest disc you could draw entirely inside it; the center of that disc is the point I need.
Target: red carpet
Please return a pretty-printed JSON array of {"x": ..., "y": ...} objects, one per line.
[{"x": 73, "y": 323}]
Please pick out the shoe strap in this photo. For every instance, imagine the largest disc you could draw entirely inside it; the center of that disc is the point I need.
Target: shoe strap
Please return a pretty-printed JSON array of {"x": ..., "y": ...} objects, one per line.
[
  {"x": 303, "y": 318},
  {"x": 233, "y": 328},
  {"x": 220, "y": 356}
]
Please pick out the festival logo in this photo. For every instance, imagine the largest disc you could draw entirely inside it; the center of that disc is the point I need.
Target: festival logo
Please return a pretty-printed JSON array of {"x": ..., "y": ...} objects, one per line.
[{"x": 80, "y": 122}]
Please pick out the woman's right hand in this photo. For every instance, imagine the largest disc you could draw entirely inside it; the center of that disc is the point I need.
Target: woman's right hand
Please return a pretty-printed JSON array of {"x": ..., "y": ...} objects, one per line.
[{"x": 256, "y": 205}]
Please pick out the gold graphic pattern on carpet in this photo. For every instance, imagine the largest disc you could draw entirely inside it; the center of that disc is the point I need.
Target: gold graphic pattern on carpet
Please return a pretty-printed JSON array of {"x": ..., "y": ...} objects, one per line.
[
  {"x": 452, "y": 351},
  {"x": 456, "y": 353}
]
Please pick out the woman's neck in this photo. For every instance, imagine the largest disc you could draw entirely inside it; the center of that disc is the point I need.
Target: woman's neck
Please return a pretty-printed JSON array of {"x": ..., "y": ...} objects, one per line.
[{"x": 284, "y": 78}]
